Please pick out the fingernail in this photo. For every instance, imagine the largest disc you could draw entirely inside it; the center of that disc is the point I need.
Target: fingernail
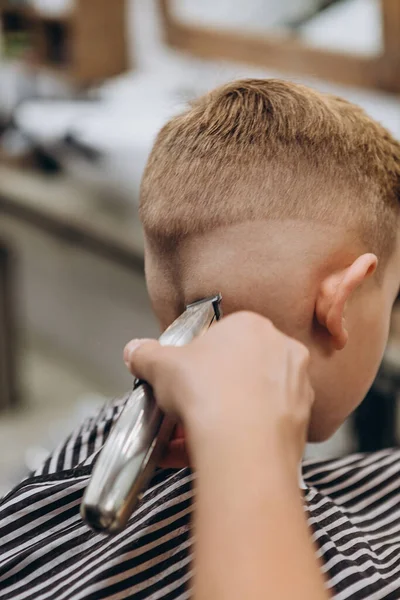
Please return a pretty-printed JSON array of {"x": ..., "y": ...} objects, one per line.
[{"x": 130, "y": 349}]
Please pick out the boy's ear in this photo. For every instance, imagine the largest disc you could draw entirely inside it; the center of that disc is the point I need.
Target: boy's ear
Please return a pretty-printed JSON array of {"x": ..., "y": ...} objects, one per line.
[{"x": 334, "y": 292}]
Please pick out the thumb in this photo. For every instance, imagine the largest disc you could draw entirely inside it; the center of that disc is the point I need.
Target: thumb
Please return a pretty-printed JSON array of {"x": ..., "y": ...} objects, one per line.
[
  {"x": 141, "y": 357},
  {"x": 156, "y": 364}
]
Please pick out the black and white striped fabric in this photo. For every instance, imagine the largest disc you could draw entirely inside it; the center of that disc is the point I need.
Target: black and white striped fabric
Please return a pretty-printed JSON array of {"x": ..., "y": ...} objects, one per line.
[{"x": 47, "y": 553}]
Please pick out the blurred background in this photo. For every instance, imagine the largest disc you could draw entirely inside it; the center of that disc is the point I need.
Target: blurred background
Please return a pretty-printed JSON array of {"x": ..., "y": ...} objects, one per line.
[{"x": 84, "y": 87}]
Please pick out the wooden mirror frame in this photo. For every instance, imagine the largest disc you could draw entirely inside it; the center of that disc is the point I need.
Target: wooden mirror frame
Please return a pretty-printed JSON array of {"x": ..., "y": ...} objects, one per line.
[{"x": 292, "y": 55}]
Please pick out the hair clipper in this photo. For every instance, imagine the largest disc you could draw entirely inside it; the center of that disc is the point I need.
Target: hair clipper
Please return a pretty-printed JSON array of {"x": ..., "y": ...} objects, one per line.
[{"x": 138, "y": 439}]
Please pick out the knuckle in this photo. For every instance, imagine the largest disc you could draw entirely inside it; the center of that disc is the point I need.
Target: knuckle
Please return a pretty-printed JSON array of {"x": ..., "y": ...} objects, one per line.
[
  {"x": 311, "y": 395},
  {"x": 253, "y": 321},
  {"x": 182, "y": 369},
  {"x": 302, "y": 353},
  {"x": 173, "y": 366},
  {"x": 169, "y": 377}
]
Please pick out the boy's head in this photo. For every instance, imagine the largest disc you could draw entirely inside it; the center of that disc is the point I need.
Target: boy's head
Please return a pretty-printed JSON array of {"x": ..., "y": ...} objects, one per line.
[{"x": 286, "y": 201}]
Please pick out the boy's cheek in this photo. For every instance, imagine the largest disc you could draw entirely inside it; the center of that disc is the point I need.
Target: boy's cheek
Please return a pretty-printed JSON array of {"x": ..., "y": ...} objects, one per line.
[
  {"x": 176, "y": 456},
  {"x": 179, "y": 432}
]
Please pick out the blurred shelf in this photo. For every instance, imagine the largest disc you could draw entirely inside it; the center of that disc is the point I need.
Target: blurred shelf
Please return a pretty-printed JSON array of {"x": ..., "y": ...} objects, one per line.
[
  {"x": 85, "y": 44},
  {"x": 78, "y": 281},
  {"x": 73, "y": 213},
  {"x": 292, "y": 54}
]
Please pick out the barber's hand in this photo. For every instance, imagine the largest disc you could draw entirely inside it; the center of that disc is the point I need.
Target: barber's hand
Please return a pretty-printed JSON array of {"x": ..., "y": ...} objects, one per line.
[{"x": 242, "y": 383}]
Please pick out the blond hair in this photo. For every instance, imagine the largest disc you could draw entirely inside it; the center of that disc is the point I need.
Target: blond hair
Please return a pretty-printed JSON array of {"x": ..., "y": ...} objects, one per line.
[{"x": 268, "y": 149}]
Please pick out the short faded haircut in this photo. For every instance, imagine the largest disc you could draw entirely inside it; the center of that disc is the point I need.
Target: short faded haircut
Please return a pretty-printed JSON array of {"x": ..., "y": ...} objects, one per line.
[{"x": 264, "y": 149}]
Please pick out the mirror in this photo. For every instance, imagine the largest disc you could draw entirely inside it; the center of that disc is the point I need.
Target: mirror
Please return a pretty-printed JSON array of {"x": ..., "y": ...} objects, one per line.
[{"x": 300, "y": 37}]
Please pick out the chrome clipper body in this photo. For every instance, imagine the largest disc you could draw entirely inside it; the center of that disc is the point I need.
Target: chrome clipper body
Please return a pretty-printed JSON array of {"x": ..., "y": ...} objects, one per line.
[{"x": 136, "y": 443}]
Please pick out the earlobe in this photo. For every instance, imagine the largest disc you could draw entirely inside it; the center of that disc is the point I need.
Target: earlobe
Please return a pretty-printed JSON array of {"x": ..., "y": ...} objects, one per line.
[{"x": 335, "y": 291}]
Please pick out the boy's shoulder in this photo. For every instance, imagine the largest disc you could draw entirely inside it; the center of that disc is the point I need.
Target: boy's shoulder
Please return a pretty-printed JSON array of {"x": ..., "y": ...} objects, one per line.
[
  {"x": 353, "y": 508},
  {"x": 47, "y": 551},
  {"x": 346, "y": 478}
]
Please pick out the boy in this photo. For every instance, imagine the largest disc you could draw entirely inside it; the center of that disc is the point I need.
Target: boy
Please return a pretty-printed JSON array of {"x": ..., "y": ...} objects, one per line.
[{"x": 286, "y": 201}]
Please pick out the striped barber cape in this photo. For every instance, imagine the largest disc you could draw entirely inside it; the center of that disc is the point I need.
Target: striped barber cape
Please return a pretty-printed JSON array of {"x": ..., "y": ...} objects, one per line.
[{"x": 47, "y": 553}]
